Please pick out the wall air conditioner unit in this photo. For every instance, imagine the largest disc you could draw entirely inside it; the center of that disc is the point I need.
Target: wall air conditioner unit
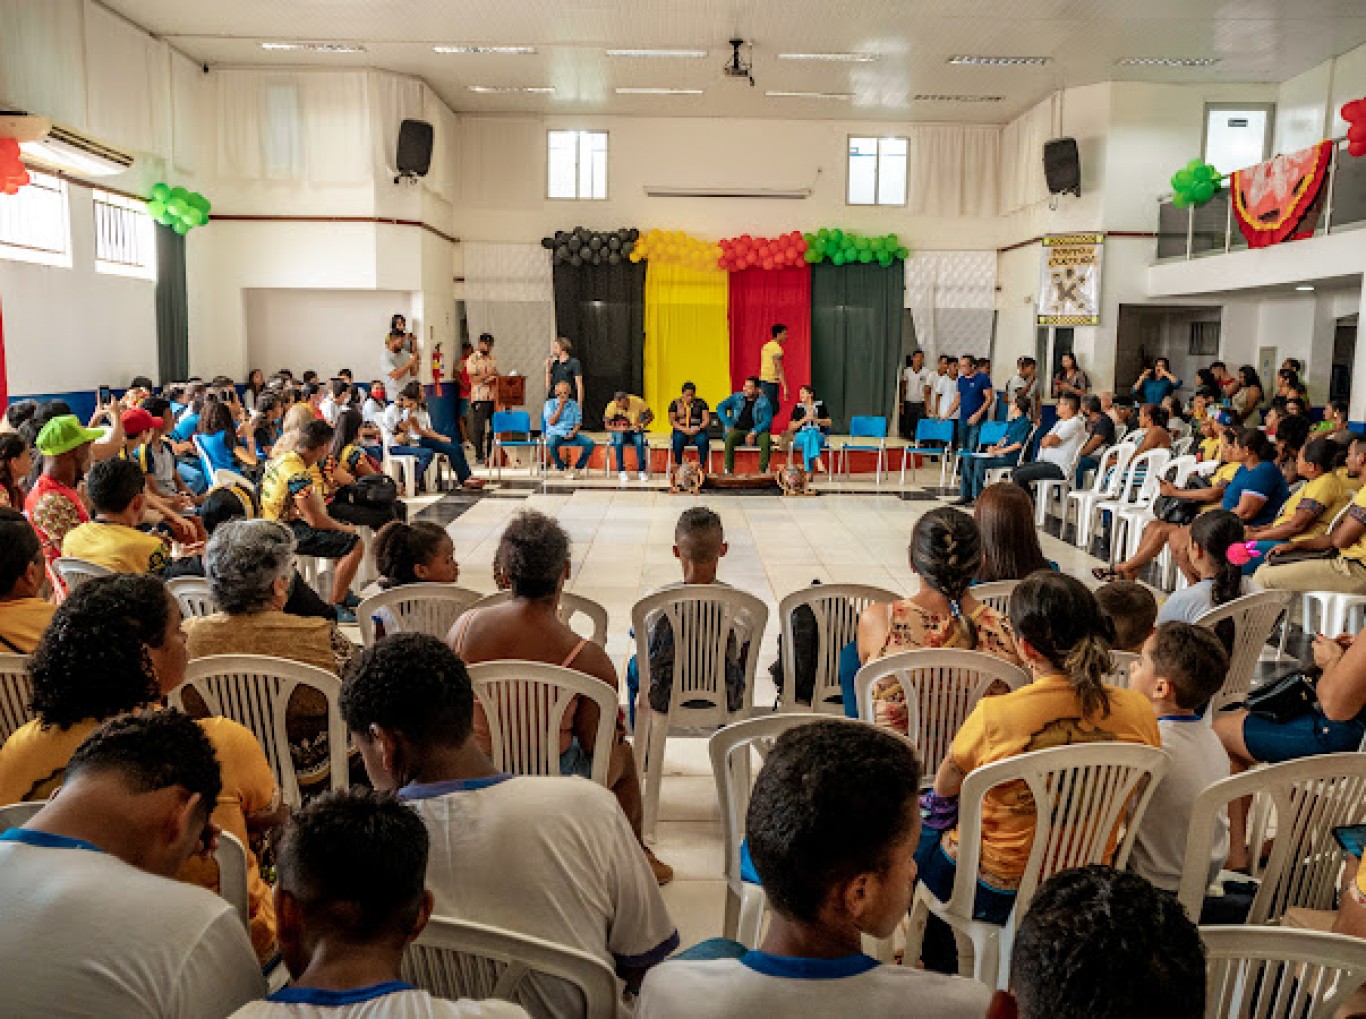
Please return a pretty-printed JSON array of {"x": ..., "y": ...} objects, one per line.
[
  {"x": 662, "y": 191},
  {"x": 60, "y": 148}
]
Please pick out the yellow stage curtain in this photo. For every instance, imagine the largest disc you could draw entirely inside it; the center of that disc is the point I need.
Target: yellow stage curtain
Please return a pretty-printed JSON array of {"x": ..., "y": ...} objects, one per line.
[{"x": 687, "y": 336}]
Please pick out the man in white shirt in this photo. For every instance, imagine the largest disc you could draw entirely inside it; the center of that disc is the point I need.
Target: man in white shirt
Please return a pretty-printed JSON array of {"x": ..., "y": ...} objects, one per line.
[
  {"x": 917, "y": 388},
  {"x": 338, "y": 398},
  {"x": 833, "y": 825},
  {"x": 945, "y": 386},
  {"x": 551, "y": 857},
  {"x": 349, "y": 901},
  {"x": 1179, "y": 669},
  {"x": 94, "y": 923},
  {"x": 1058, "y": 449}
]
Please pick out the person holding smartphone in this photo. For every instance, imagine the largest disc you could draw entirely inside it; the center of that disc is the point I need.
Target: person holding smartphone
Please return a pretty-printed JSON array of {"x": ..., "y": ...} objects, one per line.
[
  {"x": 1157, "y": 383},
  {"x": 562, "y": 366},
  {"x": 402, "y": 357}
]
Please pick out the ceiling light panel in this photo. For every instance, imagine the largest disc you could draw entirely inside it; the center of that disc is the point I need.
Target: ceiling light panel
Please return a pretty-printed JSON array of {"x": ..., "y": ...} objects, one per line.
[
  {"x": 665, "y": 54},
  {"x": 539, "y": 90},
  {"x": 1167, "y": 61},
  {"x": 314, "y": 47},
  {"x": 504, "y": 51},
  {"x": 654, "y": 91},
  {"x": 833, "y": 58},
  {"x": 810, "y": 95},
  {"x": 988, "y": 61},
  {"x": 926, "y": 97}
]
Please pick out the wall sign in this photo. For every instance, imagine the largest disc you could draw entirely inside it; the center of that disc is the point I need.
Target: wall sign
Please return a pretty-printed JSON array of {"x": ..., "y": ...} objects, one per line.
[{"x": 1069, "y": 280}]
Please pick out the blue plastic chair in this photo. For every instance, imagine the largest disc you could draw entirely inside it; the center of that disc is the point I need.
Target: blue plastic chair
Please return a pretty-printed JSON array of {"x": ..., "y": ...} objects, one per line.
[
  {"x": 990, "y": 433},
  {"x": 866, "y": 426},
  {"x": 928, "y": 430},
  {"x": 515, "y": 422}
]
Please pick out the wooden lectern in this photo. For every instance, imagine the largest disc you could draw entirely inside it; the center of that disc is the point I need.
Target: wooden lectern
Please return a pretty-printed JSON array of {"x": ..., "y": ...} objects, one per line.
[{"x": 509, "y": 391}]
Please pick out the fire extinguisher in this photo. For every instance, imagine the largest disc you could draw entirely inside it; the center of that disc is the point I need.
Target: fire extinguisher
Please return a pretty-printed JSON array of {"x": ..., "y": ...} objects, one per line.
[{"x": 436, "y": 368}]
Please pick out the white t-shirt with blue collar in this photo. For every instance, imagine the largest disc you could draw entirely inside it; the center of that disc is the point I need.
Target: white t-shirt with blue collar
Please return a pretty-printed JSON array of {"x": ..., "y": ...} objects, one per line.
[
  {"x": 392, "y": 1000},
  {"x": 760, "y": 984}
]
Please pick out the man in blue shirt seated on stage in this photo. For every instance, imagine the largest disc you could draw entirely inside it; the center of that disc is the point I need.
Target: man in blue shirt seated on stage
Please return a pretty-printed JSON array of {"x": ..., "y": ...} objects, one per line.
[
  {"x": 563, "y": 418},
  {"x": 746, "y": 416},
  {"x": 1005, "y": 453},
  {"x": 974, "y": 401}
]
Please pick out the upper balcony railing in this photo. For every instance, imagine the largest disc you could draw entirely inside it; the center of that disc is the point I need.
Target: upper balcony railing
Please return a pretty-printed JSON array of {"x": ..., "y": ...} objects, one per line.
[{"x": 1212, "y": 230}]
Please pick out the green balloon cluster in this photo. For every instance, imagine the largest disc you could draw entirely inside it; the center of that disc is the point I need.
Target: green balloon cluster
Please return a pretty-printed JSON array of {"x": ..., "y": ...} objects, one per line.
[
  {"x": 1195, "y": 184},
  {"x": 841, "y": 248},
  {"x": 178, "y": 208}
]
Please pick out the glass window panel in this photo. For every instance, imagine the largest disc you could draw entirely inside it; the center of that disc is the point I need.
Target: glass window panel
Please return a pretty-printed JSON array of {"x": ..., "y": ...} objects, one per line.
[
  {"x": 563, "y": 164},
  {"x": 1235, "y": 139},
  {"x": 863, "y": 171},
  {"x": 34, "y": 224},
  {"x": 891, "y": 171}
]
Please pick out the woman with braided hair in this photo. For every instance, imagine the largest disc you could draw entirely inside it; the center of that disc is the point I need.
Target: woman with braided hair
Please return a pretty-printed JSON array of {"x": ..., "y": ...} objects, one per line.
[
  {"x": 1064, "y": 638},
  {"x": 946, "y": 551}
]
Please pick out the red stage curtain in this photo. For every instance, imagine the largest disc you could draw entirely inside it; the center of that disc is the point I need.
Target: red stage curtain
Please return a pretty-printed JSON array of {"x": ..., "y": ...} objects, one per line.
[{"x": 759, "y": 298}]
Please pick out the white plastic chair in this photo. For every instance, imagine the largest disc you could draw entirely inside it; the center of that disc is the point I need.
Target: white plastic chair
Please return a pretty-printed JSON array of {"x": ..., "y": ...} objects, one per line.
[
  {"x": 1183, "y": 445},
  {"x": 940, "y": 688},
  {"x": 16, "y": 694},
  {"x": 995, "y": 595},
  {"x": 1129, "y": 522},
  {"x": 571, "y": 606},
  {"x": 1047, "y": 491},
  {"x": 702, "y": 618},
  {"x": 75, "y": 572},
  {"x": 1310, "y": 797},
  {"x": 459, "y": 959},
  {"x": 525, "y": 704},
  {"x": 1141, "y": 480},
  {"x": 403, "y": 469},
  {"x": 193, "y": 596},
  {"x": 1124, "y": 664},
  {"x": 230, "y": 856},
  {"x": 415, "y": 608},
  {"x": 1253, "y": 617},
  {"x": 731, "y": 750},
  {"x": 254, "y": 691},
  {"x": 837, "y": 608},
  {"x": 1279, "y": 973},
  {"x": 222, "y": 478},
  {"x": 1088, "y": 797},
  {"x": 1109, "y": 477}
]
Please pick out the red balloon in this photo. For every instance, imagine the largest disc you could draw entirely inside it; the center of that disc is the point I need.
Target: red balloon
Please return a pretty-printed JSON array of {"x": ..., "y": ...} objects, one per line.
[
  {"x": 768, "y": 263},
  {"x": 1355, "y": 110},
  {"x": 1356, "y": 148}
]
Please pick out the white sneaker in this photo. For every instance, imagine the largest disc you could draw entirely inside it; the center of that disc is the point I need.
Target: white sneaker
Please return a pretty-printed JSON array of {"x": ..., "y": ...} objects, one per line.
[
  {"x": 571, "y": 474},
  {"x": 623, "y": 477},
  {"x": 644, "y": 476}
]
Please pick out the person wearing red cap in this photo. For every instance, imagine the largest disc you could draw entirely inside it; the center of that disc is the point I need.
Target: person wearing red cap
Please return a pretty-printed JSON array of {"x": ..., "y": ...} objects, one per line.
[{"x": 141, "y": 433}]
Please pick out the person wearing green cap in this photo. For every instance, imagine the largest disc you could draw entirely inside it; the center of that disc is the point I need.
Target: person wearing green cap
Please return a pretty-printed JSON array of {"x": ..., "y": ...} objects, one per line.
[{"x": 53, "y": 506}]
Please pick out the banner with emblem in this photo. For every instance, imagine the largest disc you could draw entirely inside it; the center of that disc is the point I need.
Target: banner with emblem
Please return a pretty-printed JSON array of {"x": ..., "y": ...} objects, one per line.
[{"x": 1069, "y": 280}]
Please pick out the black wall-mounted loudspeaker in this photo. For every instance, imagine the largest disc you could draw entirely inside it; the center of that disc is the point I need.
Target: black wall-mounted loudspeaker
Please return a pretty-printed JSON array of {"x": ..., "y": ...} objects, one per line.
[
  {"x": 414, "y": 148},
  {"x": 1062, "y": 166}
]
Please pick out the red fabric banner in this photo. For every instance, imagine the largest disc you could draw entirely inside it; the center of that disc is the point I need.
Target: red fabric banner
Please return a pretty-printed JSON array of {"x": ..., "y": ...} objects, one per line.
[
  {"x": 759, "y": 299},
  {"x": 1270, "y": 200}
]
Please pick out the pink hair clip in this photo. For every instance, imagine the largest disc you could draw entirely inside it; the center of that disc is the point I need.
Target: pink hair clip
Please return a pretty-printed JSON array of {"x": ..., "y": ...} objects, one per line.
[{"x": 1243, "y": 553}]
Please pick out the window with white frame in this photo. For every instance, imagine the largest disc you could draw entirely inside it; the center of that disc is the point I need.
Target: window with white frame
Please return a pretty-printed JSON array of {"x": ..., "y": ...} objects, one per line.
[
  {"x": 1238, "y": 136},
  {"x": 577, "y": 165},
  {"x": 877, "y": 171},
  {"x": 35, "y": 223},
  {"x": 125, "y": 236}
]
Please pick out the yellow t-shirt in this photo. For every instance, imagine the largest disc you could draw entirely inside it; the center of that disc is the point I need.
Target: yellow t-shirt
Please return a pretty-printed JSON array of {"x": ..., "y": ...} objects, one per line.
[
  {"x": 22, "y": 622},
  {"x": 768, "y": 361},
  {"x": 286, "y": 478},
  {"x": 1324, "y": 493},
  {"x": 33, "y": 764},
  {"x": 1040, "y": 716},
  {"x": 1353, "y": 485},
  {"x": 117, "y": 547},
  {"x": 1209, "y": 449},
  {"x": 635, "y": 408},
  {"x": 1357, "y": 512}
]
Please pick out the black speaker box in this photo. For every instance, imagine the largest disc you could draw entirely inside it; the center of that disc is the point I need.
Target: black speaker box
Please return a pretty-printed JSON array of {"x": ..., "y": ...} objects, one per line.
[
  {"x": 1062, "y": 166},
  {"x": 414, "y": 148}
]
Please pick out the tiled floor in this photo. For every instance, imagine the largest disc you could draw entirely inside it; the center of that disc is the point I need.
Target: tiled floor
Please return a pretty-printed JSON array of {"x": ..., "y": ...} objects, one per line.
[{"x": 623, "y": 550}]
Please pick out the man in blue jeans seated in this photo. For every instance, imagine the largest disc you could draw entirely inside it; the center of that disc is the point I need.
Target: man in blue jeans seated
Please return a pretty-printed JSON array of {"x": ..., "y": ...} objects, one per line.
[
  {"x": 747, "y": 416},
  {"x": 626, "y": 418},
  {"x": 832, "y": 829},
  {"x": 1100, "y": 433},
  {"x": 411, "y": 428},
  {"x": 1005, "y": 453},
  {"x": 689, "y": 418},
  {"x": 562, "y": 418},
  {"x": 699, "y": 544}
]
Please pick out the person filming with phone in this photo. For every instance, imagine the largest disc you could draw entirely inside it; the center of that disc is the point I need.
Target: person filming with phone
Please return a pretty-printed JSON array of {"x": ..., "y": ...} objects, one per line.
[{"x": 562, "y": 366}]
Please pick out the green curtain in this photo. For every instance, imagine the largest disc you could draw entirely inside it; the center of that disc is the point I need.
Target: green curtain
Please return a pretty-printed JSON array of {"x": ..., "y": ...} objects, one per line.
[
  {"x": 173, "y": 311},
  {"x": 856, "y": 316}
]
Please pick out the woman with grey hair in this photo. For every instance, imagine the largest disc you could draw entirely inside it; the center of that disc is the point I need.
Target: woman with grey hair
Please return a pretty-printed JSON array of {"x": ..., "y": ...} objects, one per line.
[{"x": 250, "y": 568}]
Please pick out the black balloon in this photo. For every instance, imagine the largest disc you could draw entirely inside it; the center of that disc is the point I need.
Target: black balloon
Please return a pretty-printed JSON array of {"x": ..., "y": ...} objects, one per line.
[
  {"x": 575, "y": 244},
  {"x": 575, "y": 261},
  {"x": 562, "y": 252},
  {"x": 628, "y": 247},
  {"x": 614, "y": 242},
  {"x": 548, "y": 243},
  {"x": 614, "y": 258},
  {"x": 635, "y": 234},
  {"x": 595, "y": 242}
]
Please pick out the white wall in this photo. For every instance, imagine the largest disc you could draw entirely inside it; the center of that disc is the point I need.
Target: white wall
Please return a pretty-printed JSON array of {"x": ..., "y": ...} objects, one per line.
[
  {"x": 324, "y": 330},
  {"x": 68, "y": 329}
]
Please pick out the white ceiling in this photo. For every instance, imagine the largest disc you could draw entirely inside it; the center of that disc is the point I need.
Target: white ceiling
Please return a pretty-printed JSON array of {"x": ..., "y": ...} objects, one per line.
[{"x": 1254, "y": 40}]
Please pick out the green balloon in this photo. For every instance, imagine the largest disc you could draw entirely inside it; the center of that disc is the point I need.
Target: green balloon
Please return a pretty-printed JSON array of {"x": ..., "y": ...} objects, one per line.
[
  {"x": 811, "y": 255},
  {"x": 194, "y": 217},
  {"x": 198, "y": 201},
  {"x": 837, "y": 258},
  {"x": 1193, "y": 164},
  {"x": 161, "y": 192},
  {"x": 893, "y": 241},
  {"x": 181, "y": 228},
  {"x": 177, "y": 207},
  {"x": 885, "y": 259},
  {"x": 865, "y": 256},
  {"x": 1203, "y": 192},
  {"x": 822, "y": 233},
  {"x": 1180, "y": 200},
  {"x": 181, "y": 193},
  {"x": 1183, "y": 180},
  {"x": 837, "y": 236},
  {"x": 903, "y": 252},
  {"x": 861, "y": 243},
  {"x": 156, "y": 208},
  {"x": 877, "y": 243},
  {"x": 166, "y": 218}
]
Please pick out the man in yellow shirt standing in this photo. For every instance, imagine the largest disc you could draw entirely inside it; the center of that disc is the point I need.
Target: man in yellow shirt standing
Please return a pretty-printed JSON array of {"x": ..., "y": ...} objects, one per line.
[
  {"x": 771, "y": 373},
  {"x": 117, "y": 491},
  {"x": 626, "y": 418},
  {"x": 24, "y": 615}
]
